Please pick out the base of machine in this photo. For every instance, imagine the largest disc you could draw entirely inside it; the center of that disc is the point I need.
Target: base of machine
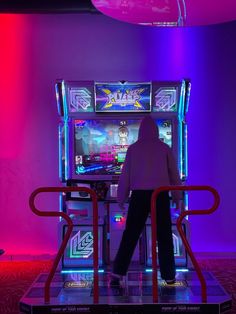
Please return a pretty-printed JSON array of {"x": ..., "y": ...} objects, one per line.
[{"x": 73, "y": 293}]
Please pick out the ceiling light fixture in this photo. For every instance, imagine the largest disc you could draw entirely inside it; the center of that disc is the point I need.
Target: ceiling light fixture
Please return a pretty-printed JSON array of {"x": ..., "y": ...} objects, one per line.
[{"x": 168, "y": 12}]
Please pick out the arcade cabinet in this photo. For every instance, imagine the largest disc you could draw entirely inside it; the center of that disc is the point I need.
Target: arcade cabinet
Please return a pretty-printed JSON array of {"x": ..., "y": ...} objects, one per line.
[{"x": 99, "y": 120}]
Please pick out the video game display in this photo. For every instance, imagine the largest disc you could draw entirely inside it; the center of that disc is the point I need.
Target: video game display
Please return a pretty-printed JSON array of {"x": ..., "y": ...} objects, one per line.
[
  {"x": 122, "y": 97},
  {"x": 100, "y": 145}
]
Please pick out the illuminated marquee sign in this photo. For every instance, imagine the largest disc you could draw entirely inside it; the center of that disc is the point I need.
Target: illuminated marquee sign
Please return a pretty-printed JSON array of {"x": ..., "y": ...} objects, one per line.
[{"x": 122, "y": 97}]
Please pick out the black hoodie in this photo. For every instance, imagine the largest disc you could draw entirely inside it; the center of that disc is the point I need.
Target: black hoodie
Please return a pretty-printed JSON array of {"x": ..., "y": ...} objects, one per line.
[{"x": 149, "y": 164}]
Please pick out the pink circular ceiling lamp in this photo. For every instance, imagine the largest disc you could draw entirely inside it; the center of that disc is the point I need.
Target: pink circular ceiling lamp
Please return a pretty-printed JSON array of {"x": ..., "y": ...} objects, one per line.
[{"x": 169, "y": 12}]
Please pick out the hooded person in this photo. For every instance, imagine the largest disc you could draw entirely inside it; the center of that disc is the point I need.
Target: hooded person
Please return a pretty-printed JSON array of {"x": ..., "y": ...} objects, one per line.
[{"x": 149, "y": 164}]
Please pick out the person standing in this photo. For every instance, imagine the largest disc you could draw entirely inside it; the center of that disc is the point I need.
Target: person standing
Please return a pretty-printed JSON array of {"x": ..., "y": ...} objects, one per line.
[{"x": 149, "y": 164}]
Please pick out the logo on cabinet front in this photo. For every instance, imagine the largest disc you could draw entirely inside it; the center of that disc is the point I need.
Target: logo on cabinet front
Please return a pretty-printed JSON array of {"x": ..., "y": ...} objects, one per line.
[{"x": 81, "y": 245}]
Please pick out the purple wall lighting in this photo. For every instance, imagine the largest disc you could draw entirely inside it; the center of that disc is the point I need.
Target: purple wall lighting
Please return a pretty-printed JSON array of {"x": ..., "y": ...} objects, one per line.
[{"x": 95, "y": 47}]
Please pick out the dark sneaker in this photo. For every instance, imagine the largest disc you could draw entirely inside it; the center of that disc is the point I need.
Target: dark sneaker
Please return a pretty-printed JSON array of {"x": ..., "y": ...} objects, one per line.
[
  {"x": 115, "y": 280},
  {"x": 170, "y": 281}
]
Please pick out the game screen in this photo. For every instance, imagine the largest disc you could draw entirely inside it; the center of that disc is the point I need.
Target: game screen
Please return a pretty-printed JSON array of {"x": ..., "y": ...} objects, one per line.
[
  {"x": 101, "y": 145},
  {"x": 127, "y": 97}
]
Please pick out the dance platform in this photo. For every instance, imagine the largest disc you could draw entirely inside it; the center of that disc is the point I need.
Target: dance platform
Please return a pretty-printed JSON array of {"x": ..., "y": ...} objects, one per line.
[
  {"x": 73, "y": 293},
  {"x": 142, "y": 290}
]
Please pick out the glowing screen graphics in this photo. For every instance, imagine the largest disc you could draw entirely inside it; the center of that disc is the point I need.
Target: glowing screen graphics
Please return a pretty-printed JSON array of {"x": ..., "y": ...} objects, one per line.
[
  {"x": 101, "y": 145},
  {"x": 127, "y": 97},
  {"x": 80, "y": 100},
  {"x": 165, "y": 99}
]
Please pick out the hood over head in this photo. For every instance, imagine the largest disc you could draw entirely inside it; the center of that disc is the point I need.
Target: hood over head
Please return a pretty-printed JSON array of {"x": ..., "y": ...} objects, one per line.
[{"x": 148, "y": 129}]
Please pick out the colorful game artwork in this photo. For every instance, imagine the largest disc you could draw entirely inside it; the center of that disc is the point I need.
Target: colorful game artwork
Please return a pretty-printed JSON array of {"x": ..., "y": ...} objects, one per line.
[
  {"x": 122, "y": 97},
  {"x": 100, "y": 145}
]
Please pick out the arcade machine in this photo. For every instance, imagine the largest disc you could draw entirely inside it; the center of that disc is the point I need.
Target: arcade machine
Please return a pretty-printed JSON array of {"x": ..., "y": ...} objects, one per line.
[{"x": 98, "y": 122}]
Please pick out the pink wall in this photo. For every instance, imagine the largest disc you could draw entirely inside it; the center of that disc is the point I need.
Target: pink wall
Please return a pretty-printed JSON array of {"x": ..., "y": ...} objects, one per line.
[{"x": 35, "y": 50}]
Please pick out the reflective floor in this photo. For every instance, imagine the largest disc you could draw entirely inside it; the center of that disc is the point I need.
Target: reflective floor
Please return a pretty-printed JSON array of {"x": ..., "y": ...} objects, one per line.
[{"x": 136, "y": 288}]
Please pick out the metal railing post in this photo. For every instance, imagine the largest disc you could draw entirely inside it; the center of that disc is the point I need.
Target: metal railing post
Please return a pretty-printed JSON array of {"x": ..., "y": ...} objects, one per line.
[
  {"x": 68, "y": 233},
  {"x": 182, "y": 235}
]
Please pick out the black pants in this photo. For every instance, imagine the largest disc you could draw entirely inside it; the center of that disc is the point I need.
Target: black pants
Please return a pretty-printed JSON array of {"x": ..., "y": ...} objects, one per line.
[{"x": 139, "y": 209}]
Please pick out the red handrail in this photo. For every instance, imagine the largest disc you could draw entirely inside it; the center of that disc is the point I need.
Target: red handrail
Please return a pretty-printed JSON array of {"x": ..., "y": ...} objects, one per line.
[
  {"x": 68, "y": 233},
  {"x": 179, "y": 227}
]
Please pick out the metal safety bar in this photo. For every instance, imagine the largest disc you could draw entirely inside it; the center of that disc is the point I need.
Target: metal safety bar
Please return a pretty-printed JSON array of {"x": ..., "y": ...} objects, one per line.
[
  {"x": 181, "y": 232},
  {"x": 68, "y": 234}
]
